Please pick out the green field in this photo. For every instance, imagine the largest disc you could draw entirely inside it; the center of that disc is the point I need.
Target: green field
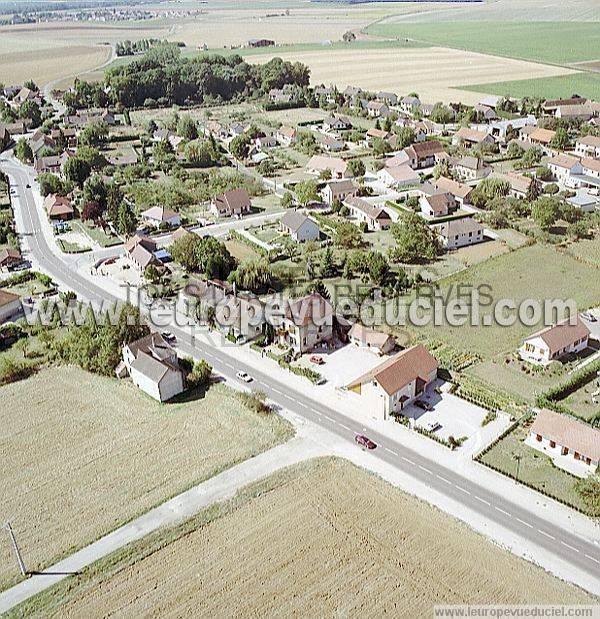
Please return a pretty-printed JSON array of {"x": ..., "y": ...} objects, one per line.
[
  {"x": 563, "y": 86},
  {"x": 550, "y": 42}
]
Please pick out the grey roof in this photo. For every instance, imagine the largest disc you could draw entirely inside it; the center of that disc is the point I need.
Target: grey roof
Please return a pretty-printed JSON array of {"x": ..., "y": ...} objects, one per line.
[{"x": 294, "y": 219}]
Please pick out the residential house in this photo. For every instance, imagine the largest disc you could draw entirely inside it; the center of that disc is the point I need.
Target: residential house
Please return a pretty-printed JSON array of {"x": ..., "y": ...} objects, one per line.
[
  {"x": 325, "y": 91},
  {"x": 267, "y": 141},
  {"x": 540, "y": 137},
  {"x": 337, "y": 123},
  {"x": 241, "y": 316},
  {"x": 338, "y": 190},
  {"x": 10, "y": 306},
  {"x": 280, "y": 97},
  {"x": 388, "y": 97},
  {"x": 553, "y": 343},
  {"x": 232, "y": 203},
  {"x": 337, "y": 167},
  {"x": 299, "y": 226},
  {"x": 460, "y": 191},
  {"x": 58, "y": 207},
  {"x": 391, "y": 386},
  {"x": 591, "y": 169},
  {"x": 398, "y": 176},
  {"x": 180, "y": 233},
  {"x": 519, "y": 184},
  {"x": 563, "y": 166},
  {"x": 5, "y": 137},
  {"x": 330, "y": 143},
  {"x": 492, "y": 101},
  {"x": 18, "y": 127},
  {"x": 487, "y": 113},
  {"x": 158, "y": 216},
  {"x": 26, "y": 94},
  {"x": 51, "y": 163},
  {"x": 472, "y": 137},
  {"x": 66, "y": 135},
  {"x": 506, "y": 128},
  {"x": 588, "y": 146},
  {"x": 586, "y": 202},
  {"x": 285, "y": 135},
  {"x": 409, "y": 104},
  {"x": 173, "y": 139},
  {"x": 261, "y": 43},
  {"x": 216, "y": 129},
  {"x": 123, "y": 160},
  {"x": 397, "y": 159},
  {"x": 423, "y": 129},
  {"x": 471, "y": 168},
  {"x": 559, "y": 435},
  {"x": 9, "y": 259},
  {"x": 423, "y": 155},
  {"x": 369, "y": 339},
  {"x": 140, "y": 250},
  {"x": 377, "y": 109},
  {"x": 153, "y": 367},
  {"x": 306, "y": 323},
  {"x": 437, "y": 204},
  {"x": 375, "y": 134},
  {"x": 462, "y": 232},
  {"x": 551, "y": 105},
  {"x": 582, "y": 112},
  {"x": 361, "y": 211}
]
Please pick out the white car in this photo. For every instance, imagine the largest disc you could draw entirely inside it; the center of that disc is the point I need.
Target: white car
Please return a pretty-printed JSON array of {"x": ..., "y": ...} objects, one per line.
[
  {"x": 433, "y": 426},
  {"x": 169, "y": 337},
  {"x": 588, "y": 316},
  {"x": 243, "y": 376}
]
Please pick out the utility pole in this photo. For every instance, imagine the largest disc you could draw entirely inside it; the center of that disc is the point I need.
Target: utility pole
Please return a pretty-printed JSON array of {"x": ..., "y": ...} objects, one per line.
[{"x": 13, "y": 539}]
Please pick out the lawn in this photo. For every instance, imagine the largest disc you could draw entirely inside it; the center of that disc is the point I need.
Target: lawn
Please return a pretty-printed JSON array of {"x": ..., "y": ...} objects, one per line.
[
  {"x": 580, "y": 402},
  {"x": 88, "y": 454},
  {"x": 585, "y": 84},
  {"x": 323, "y": 538},
  {"x": 587, "y": 250},
  {"x": 537, "y": 272},
  {"x": 535, "y": 468},
  {"x": 528, "y": 40},
  {"x": 97, "y": 234}
]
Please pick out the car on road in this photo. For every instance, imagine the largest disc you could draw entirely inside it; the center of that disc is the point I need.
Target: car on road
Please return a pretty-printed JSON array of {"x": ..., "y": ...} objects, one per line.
[
  {"x": 28, "y": 186},
  {"x": 316, "y": 360},
  {"x": 365, "y": 441},
  {"x": 433, "y": 426},
  {"x": 169, "y": 337},
  {"x": 588, "y": 316},
  {"x": 423, "y": 405},
  {"x": 244, "y": 377}
]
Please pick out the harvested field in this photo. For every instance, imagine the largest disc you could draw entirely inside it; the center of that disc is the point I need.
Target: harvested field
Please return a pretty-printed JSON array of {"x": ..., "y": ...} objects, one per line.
[
  {"x": 88, "y": 453},
  {"x": 319, "y": 539},
  {"x": 435, "y": 73}
]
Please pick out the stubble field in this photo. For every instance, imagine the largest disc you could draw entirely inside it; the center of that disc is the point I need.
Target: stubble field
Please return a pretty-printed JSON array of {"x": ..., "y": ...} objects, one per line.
[
  {"x": 84, "y": 454},
  {"x": 319, "y": 539}
]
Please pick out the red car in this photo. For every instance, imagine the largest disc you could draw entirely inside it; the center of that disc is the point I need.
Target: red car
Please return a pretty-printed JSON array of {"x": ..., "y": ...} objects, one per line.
[
  {"x": 364, "y": 441},
  {"x": 316, "y": 360}
]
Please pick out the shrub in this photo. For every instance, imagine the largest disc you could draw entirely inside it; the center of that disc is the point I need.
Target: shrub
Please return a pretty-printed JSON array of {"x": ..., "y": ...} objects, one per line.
[
  {"x": 12, "y": 371},
  {"x": 200, "y": 374},
  {"x": 256, "y": 401}
]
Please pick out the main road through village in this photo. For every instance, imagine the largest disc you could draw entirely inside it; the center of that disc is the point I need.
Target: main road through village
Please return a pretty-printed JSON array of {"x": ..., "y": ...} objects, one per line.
[{"x": 581, "y": 553}]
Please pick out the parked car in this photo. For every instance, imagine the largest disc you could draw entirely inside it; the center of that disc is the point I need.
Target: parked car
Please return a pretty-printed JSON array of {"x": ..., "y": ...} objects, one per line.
[
  {"x": 169, "y": 337},
  {"x": 364, "y": 441},
  {"x": 316, "y": 360},
  {"x": 424, "y": 405},
  {"x": 243, "y": 376},
  {"x": 588, "y": 316},
  {"x": 28, "y": 186},
  {"x": 433, "y": 426}
]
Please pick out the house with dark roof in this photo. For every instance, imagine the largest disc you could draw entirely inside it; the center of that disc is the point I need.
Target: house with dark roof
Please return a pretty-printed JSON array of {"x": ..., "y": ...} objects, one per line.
[
  {"x": 555, "y": 342},
  {"x": 232, "y": 203},
  {"x": 153, "y": 366},
  {"x": 10, "y": 306},
  {"x": 9, "y": 259},
  {"x": 299, "y": 226},
  {"x": 392, "y": 385},
  {"x": 338, "y": 190},
  {"x": 58, "y": 207},
  {"x": 362, "y": 211},
  {"x": 306, "y": 323},
  {"x": 423, "y": 154}
]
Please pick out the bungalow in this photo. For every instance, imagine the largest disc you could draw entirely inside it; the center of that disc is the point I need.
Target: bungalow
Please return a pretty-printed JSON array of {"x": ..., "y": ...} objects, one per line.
[
  {"x": 327, "y": 92},
  {"x": 376, "y": 341},
  {"x": 58, "y": 207},
  {"x": 398, "y": 159},
  {"x": 140, "y": 249},
  {"x": 519, "y": 184},
  {"x": 269, "y": 141},
  {"x": 555, "y": 342},
  {"x": 232, "y": 203},
  {"x": 377, "y": 109},
  {"x": 487, "y": 113},
  {"x": 338, "y": 190},
  {"x": 398, "y": 176},
  {"x": 153, "y": 366},
  {"x": 319, "y": 163},
  {"x": 409, "y": 104},
  {"x": 563, "y": 166},
  {"x": 173, "y": 139},
  {"x": 471, "y": 168},
  {"x": 560, "y": 435},
  {"x": 472, "y": 137},
  {"x": 10, "y": 306},
  {"x": 575, "y": 112},
  {"x": 306, "y": 323},
  {"x": 551, "y": 105},
  {"x": 285, "y": 135},
  {"x": 123, "y": 160},
  {"x": 279, "y": 97},
  {"x": 376, "y": 218},
  {"x": 299, "y": 226},
  {"x": 396, "y": 382},
  {"x": 584, "y": 201},
  {"x": 375, "y": 134},
  {"x": 423, "y": 155},
  {"x": 9, "y": 259},
  {"x": 460, "y": 191},
  {"x": 438, "y": 204},
  {"x": 51, "y": 163},
  {"x": 457, "y": 233},
  {"x": 388, "y": 97},
  {"x": 541, "y": 137},
  {"x": 158, "y": 216},
  {"x": 588, "y": 146},
  {"x": 331, "y": 144},
  {"x": 337, "y": 123}
]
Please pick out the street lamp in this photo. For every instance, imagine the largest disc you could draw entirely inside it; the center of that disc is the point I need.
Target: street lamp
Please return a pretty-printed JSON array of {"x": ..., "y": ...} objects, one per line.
[
  {"x": 13, "y": 539},
  {"x": 518, "y": 458}
]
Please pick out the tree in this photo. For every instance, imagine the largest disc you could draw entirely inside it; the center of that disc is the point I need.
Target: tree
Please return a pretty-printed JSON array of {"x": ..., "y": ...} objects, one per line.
[
  {"x": 77, "y": 170},
  {"x": 287, "y": 200},
  {"x": 183, "y": 251},
  {"x": 347, "y": 235},
  {"x": 442, "y": 169},
  {"x": 560, "y": 139},
  {"x": 92, "y": 211},
  {"x": 306, "y": 191},
  {"x": 254, "y": 275},
  {"x": 378, "y": 267},
  {"x": 441, "y": 114},
  {"x": 415, "y": 240},
  {"x": 206, "y": 255},
  {"x": 328, "y": 268},
  {"x": 92, "y": 156},
  {"x": 348, "y": 37},
  {"x": 240, "y": 146},
  {"x": 546, "y": 211},
  {"x": 30, "y": 109},
  {"x": 187, "y": 128},
  {"x": 200, "y": 374},
  {"x": 531, "y": 157},
  {"x": 356, "y": 167},
  {"x": 543, "y": 172},
  {"x": 380, "y": 147},
  {"x": 95, "y": 190},
  {"x": 94, "y": 134},
  {"x": 533, "y": 191},
  {"x": 406, "y": 137},
  {"x": 201, "y": 154},
  {"x": 126, "y": 219},
  {"x": 515, "y": 151},
  {"x": 23, "y": 151}
]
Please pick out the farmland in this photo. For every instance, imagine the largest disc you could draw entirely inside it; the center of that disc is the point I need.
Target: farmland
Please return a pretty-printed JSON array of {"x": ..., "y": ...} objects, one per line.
[
  {"x": 88, "y": 454},
  {"x": 289, "y": 545}
]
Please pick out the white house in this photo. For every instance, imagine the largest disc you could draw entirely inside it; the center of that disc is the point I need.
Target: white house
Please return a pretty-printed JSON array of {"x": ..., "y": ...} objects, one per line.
[
  {"x": 438, "y": 204},
  {"x": 161, "y": 216},
  {"x": 561, "y": 436},
  {"x": 588, "y": 146},
  {"x": 318, "y": 163},
  {"x": 471, "y": 168},
  {"x": 555, "y": 342},
  {"x": 396, "y": 382},
  {"x": 398, "y": 176},
  {"x": 306, "y": 323},
  {"x": 361, "y": 211},
  {"x": 338, "y": 190},
  {"x": 563, "y": 166},
  {"x": 457, "y": 233},
  {"x": 299, "y": 226},
  {"x": 153, "y": 367},
  {"x": 285, "y": 135},
  {"x": 369, "y": 339},
  {"x": 10, "y": 306}
]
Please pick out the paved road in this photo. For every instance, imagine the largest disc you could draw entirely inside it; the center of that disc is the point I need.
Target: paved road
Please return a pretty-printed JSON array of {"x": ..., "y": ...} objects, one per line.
[{"x": 579, "y": 552}]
